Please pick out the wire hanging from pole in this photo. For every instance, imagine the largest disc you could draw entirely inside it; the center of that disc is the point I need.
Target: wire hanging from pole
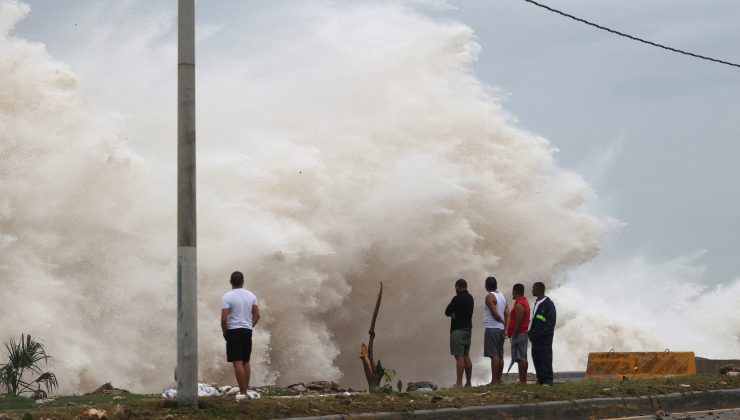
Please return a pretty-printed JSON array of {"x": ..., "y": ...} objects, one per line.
[{"x": 634, "y": 38}]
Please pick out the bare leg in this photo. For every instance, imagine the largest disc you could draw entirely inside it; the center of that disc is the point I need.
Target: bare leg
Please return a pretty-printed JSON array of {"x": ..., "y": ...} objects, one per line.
[
  {"x": 239, "y": 373},
  {"x": 247, "y": 374},
  {"x": 460, "y": 366},
  {"x": 497, "y": 368},
  {"x": 493, "y": 371},
  {"x": 523, "y": 366},
  {"x": 468, "y": 369},
  {"x": 500, "y": 372}
]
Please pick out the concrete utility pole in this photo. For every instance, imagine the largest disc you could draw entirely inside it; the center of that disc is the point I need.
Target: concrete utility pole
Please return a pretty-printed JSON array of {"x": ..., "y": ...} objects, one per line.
[{"x": 187, "y": 257}]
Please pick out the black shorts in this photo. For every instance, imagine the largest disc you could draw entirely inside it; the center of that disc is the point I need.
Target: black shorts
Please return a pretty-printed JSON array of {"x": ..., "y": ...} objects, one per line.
[{"x": 238, "y": 345}]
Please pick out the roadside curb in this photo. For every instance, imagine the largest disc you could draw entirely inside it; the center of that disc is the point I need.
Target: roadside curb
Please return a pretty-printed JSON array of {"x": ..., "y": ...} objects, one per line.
[{"x": 576, "y": 409}]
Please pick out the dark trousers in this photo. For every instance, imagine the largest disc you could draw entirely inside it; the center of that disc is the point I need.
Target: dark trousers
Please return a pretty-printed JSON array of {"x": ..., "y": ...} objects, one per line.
[{"x": 542, "y": 358}]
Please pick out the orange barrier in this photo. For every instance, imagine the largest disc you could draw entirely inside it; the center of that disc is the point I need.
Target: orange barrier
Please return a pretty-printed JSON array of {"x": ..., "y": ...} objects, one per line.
[{"x": 639, "y": 364}]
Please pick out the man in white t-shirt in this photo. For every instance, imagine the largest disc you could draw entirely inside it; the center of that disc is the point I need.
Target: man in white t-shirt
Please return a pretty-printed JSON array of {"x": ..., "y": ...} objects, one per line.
[{"x": 239, "y": 315}]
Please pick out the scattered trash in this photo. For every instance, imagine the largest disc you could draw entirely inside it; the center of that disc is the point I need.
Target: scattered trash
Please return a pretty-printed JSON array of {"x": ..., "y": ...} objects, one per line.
[
  {"x": 686, "y": 385},
  {"x": 439, "y": 398},
  {"x": 205, "y": 390},
  {"x": 44, "y": 400},
  {"x": 119, "y": 398},
  {"x": 607, "y": 389},
  {"x": 96, "y": 413},
  {"x": 170, "y": 393},
  {"x": 253, "y": 394},
  {"x": 733, "y": 373},
  {"x": 424, "y": 390},
  {"x": 346, "y": 394},
  {"x": 232, "y": 392}
]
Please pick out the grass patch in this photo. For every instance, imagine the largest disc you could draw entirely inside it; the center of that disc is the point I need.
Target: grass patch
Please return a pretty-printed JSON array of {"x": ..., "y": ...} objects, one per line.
[{"x": 275, "y": 407}]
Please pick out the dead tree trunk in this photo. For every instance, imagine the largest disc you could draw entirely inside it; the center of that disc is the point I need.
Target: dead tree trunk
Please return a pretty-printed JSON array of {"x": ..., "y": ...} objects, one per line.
[{"x": 373, "y": 372}]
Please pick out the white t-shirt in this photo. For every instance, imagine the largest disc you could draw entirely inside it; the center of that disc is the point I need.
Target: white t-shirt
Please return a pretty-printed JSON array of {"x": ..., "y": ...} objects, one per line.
[{"x": 240, "y": 302}]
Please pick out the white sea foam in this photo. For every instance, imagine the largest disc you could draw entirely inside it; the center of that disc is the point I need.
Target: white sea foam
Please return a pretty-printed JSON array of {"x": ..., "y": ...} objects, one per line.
[{"x": 350, "y": 147}]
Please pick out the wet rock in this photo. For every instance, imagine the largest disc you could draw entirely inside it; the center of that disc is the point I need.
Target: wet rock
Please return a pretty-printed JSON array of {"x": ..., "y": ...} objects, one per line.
[{"x": 415, "y": 386}]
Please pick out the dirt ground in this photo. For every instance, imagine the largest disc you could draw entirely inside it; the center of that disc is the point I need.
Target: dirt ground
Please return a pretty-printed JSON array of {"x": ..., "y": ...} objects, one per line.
[{"x": 117, "y": 405}]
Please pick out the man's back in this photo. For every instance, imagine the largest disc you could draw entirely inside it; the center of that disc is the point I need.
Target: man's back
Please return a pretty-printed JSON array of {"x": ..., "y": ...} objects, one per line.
[
  {"x": 462, "y": 306},
  {"x": 239, "y": 302}
]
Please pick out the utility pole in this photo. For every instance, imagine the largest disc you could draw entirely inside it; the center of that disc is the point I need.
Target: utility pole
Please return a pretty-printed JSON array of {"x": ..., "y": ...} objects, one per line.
[{"x": 187, "y": 256}]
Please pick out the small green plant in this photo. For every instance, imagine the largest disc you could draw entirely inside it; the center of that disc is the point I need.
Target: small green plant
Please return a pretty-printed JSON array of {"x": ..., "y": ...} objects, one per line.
[
  {"x": 23, "y": 360},
  {"x": 389, "y": 374},
  {"x": 399, "y": 386}
]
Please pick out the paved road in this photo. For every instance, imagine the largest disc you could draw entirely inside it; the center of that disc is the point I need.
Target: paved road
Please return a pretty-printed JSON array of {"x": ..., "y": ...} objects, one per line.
[{"x": 732, "y": 413}]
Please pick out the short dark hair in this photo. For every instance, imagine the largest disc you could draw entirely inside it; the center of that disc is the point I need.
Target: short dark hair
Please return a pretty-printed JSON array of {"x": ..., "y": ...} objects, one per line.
[
  {"x": 491, "y": 283},
  {"x": 461, "y": 284},
  {"x": 519, "y": 289},
  {"x": 539, "y": 285},
  {"x": 237, "y": 279}
]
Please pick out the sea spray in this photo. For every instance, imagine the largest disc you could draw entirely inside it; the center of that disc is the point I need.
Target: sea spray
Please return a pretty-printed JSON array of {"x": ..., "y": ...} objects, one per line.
[{"x": 353, "y": 146}]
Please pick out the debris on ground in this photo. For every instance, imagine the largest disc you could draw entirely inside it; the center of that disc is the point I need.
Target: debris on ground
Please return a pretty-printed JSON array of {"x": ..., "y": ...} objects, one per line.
[
  {"x": 170, "y": 394},
  {"x": 726, "y": 369},
  {"x": 95, "y": 413},
  {"x": 421, "y": 386},
  {"x": 107, "y": 388},
  {"x": 205, "y": 390}
]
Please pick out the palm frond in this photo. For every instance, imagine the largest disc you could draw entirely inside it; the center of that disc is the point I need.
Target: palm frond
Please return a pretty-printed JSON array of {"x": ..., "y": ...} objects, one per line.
[{"x": 24, "y": 357}]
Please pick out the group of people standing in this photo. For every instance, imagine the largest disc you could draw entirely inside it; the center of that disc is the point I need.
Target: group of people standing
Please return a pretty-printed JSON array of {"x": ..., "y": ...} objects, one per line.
[
  {"x": 519, "y": 322},
  {"x": 240, "y": 314}
]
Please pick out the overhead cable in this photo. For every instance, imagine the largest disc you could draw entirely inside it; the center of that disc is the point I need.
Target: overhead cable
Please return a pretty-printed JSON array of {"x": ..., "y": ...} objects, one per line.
[{"x": 634, "y": 38}]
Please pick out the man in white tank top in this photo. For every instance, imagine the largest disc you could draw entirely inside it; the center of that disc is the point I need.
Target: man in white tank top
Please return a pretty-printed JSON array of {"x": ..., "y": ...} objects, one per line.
[{"x": 495, "y": 319}]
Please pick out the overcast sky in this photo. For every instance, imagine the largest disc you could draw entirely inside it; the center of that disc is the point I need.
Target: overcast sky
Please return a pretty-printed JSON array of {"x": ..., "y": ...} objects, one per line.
[{"x": 657, "y": 134}]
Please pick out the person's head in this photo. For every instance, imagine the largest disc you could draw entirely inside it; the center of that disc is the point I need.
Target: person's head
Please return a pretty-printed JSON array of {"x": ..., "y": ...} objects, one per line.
[
  {"x": 538, "y": 290},
  {"x": 461, "y": 285},
  {"x": 237, "y": 279},
  {"x": 491, "y": 284},
  {"x": 517, "y": 290}
]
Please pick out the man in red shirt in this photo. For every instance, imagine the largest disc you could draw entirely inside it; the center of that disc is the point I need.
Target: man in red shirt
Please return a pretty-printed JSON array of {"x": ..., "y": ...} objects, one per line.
[{"x": 517, "y": 331}]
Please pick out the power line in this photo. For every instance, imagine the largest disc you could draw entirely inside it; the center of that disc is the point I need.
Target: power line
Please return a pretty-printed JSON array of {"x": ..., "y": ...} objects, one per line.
[{"x": 634, "y": 38}]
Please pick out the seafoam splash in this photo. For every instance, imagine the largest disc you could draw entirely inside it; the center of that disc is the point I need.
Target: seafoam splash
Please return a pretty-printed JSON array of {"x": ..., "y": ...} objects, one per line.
[
  {"x": 636, "y": 305},
  {"x": 351, "y": 146}
]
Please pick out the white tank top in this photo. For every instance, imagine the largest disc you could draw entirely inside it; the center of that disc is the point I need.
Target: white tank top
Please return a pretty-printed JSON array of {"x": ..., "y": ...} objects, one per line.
[{"x": 488, "y": 320}]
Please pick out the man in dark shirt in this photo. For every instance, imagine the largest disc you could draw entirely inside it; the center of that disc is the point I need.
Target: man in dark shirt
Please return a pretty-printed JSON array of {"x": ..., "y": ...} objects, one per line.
[
  {"x": 541, "y": 333},
  {"x": 460, "y": 310}
]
